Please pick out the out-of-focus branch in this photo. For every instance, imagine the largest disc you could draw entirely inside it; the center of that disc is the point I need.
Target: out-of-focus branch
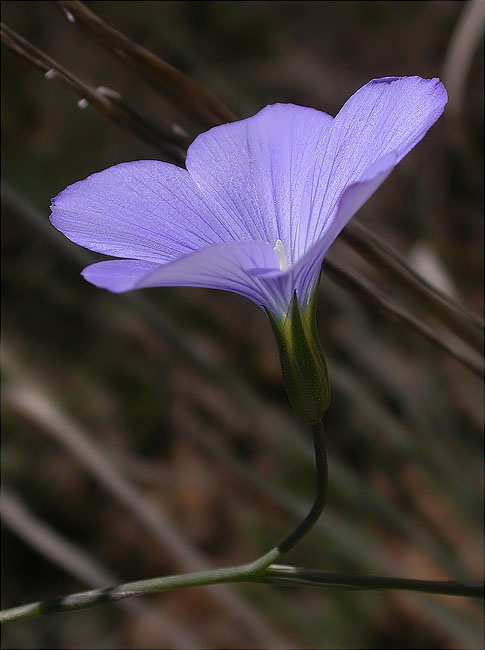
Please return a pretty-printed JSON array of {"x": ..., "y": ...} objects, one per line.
[
  {"x": 170, "y": 139},
  {"x": 377, "y": 252},
  {"x": 86, "y": 569},
  {"x": 189, "y": 96},
  {"x": 463, "y": 44},
  {"x": 360, "y": 285}
]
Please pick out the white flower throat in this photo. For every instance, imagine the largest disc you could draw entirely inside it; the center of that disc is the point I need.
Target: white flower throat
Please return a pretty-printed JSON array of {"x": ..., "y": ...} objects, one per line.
[{"x": 280, "y": 251}]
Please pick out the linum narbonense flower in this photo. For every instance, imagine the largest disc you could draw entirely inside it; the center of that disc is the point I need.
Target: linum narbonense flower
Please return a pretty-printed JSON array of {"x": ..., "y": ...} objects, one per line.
[{"x": 255, "y": 211}]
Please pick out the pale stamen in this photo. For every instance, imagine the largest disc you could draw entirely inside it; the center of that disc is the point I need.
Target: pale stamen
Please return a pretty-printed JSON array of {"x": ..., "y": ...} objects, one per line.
[{"x": 281, "y": 254}]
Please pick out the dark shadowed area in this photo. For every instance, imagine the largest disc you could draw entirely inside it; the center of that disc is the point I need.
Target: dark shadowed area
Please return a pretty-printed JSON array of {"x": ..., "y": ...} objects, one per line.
[{"x": 149, "y": 433}]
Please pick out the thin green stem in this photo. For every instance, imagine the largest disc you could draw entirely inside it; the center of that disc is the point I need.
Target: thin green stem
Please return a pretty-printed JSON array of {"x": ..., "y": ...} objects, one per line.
[
  {"x": 263, "y": 569},
  {"x": 252, "y": 572},
  {"x": 321, "y": 495},
  {"x": 296, "y": 576},
  {"x": 259, "y": 571}
]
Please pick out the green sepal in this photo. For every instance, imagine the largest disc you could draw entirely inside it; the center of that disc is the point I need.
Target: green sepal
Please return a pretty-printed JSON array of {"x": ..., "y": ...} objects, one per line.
[{"x": 303, "y": 364}]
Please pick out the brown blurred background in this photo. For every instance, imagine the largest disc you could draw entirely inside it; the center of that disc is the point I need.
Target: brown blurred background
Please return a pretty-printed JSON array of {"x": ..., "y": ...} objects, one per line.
[{"x": 149, "y": 434}]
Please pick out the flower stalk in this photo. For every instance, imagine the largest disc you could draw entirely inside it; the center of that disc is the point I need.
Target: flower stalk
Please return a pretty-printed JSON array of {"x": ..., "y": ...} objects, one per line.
[
  {"x": 252, "y": 572},
  {"x": 321, "y": 494},
  {"x": 274, "y": 574}
]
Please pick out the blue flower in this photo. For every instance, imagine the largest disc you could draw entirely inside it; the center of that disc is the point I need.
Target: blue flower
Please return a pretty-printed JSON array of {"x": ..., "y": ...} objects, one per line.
[{"x": 260, "y": 202}]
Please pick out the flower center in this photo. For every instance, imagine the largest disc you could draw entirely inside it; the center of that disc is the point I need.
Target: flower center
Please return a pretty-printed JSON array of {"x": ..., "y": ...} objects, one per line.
[{"x": 281, "y": 254}]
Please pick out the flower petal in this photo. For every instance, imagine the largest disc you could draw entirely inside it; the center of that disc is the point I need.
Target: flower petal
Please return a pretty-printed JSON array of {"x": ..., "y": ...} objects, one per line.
[
  {"x": 281, "y": 173},
  {"x": 386, "y": 115},
  {"x": 118, "y": 275},
  {"x": 306, "y": 270},
  {"x": 146, "y": 209},
  {"x": 231, "y": 266},
  {"x": 256, "y": 170},
  {"x": 374, "y": 130}
]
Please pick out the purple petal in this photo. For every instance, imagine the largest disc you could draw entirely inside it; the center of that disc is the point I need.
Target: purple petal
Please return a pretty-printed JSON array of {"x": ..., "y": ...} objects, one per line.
[
  {"x": 256, "y": 170},
  {"x": 374, "y": 130},
  {"x": 306, "y": 270},
  {"x": 282, "y": 173},
  {"x": 387, "y": 115},
  {"x": 118, "y": 275},
  {"x": 233, "y": 266},
  {"x": 146, "y": 209}
]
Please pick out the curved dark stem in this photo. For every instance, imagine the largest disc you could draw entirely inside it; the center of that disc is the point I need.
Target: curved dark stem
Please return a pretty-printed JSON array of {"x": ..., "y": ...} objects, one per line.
[{"x": 321, "y": 496}]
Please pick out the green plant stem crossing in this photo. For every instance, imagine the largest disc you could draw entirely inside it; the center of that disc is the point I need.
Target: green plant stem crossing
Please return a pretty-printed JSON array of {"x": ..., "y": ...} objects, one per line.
[
  {"x": 251, "y": 572},
  {"x": 263, "y": 569}
]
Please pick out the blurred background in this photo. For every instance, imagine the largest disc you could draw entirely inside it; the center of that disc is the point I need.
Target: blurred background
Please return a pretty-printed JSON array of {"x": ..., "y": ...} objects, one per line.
[{"x": 149, "y": 433}]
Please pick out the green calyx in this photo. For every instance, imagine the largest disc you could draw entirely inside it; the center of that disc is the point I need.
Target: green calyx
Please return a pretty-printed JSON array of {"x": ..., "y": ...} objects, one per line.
[{"x": 303, "y": 364}]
